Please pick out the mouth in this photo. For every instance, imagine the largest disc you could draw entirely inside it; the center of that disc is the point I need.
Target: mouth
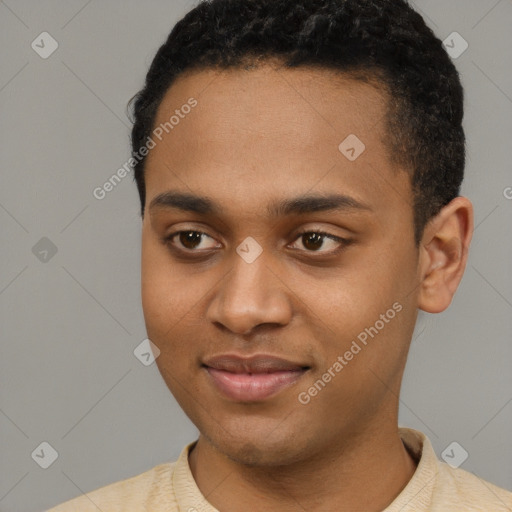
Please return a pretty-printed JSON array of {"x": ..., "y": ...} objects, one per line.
[{"x": 252, "y": 379}]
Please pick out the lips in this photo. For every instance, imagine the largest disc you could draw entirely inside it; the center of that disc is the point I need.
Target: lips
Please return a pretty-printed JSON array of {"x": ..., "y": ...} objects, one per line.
[{"x": 252, "y": 379}]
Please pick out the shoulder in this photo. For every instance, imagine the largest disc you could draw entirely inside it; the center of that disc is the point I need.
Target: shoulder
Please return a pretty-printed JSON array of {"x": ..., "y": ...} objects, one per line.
[
  {"x": 438, "y": 487},
  {"x": 151, "y": 490},
  {"x": 458, "y": 488}
]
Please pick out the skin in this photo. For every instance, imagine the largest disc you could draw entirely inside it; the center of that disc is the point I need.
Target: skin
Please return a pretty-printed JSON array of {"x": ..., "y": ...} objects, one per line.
[{"x": 264, "y": 135}]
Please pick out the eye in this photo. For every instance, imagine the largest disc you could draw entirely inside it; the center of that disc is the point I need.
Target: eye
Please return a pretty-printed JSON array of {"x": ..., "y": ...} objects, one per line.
[
  {"x": 190, "y": 241},
  {"x": 313, "y": 241}
]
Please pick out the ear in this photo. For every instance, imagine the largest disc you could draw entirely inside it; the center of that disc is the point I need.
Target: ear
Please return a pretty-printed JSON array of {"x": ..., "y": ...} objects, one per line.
[{"x": 443, "y": 254}]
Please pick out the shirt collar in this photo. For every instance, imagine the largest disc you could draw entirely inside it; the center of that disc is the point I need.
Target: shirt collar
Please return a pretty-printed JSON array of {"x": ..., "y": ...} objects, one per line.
[{"x": 415, "y": 497}]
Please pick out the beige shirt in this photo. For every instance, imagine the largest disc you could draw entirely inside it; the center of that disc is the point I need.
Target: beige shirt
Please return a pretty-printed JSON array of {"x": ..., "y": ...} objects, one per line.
[{"x": 434, "y": 487}]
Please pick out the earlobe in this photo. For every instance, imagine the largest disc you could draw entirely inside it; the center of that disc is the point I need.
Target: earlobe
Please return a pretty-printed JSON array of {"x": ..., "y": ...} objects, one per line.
[{"x": 443, "y": 255}]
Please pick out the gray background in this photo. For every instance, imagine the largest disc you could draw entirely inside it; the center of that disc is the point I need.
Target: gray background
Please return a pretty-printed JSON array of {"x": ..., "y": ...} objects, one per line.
[{"x": 70, "y": 323}]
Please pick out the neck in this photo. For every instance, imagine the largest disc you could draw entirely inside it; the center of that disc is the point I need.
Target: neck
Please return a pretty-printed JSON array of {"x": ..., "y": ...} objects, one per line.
[{"x": 367, "y": 473}]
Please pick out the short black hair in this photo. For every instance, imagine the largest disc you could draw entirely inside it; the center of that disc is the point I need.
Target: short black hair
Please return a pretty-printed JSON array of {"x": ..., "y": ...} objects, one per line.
[{"x": 372, "y": 40}]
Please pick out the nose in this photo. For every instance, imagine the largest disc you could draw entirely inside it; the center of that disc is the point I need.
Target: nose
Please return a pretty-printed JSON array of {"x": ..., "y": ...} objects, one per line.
[{"x": 250, "y": 295}]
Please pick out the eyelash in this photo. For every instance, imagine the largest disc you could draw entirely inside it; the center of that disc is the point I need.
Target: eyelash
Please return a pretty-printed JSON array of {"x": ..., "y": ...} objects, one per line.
[{"x": 344, "y": 242}]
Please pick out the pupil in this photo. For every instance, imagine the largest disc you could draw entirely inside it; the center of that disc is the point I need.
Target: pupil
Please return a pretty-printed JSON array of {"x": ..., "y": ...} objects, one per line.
[
  {"x": 189, "y": 239},
  {"x": 313, "y": 241}
]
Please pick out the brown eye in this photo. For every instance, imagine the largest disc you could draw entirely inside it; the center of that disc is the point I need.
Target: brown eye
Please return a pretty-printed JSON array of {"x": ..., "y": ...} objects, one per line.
[
  {"x": 190, "y": 239},
  {"x": 314, "y": 241}
]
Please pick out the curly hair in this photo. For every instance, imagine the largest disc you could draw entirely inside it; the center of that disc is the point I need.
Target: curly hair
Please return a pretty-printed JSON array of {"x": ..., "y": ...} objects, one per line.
[{"x": 372, "y": 40}]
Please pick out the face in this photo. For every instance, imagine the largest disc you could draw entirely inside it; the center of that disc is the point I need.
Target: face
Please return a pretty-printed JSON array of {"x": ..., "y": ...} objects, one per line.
[{"x": 279, "y": 272}]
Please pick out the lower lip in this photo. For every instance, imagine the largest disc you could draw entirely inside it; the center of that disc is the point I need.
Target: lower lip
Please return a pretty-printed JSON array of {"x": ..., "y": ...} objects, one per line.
[{"x": 254, "y": 387}]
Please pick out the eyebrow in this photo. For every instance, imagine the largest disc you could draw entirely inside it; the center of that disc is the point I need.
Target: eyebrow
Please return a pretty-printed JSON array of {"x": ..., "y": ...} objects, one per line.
[{"x": 307, "y": 203}]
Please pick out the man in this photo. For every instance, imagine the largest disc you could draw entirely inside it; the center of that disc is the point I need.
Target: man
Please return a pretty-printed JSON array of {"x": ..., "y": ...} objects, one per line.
[{"x": 299, "y": 165}]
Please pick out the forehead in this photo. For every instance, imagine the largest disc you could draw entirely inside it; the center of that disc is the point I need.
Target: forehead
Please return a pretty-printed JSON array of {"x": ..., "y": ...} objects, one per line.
[
  {"x": 266, "y": 131},
  {"x": 301, "y": 104}
]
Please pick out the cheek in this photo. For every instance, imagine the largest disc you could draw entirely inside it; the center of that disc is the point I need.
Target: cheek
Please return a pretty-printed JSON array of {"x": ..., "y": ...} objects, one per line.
[
  {"x": 166, "y": 300},
  {"x": 368, "y": 301},
  {"x": 154, "y": 282},
  {"x": 165, "y": 293},
  {"x": 171, "y": 302}
]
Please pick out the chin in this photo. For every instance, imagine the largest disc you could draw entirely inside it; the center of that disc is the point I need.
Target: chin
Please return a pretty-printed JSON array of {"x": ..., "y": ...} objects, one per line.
[
  {"x": 249, "y": 453},
  {"x": 272, "y": 435},
  {"x": 265, "y": 447}
]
